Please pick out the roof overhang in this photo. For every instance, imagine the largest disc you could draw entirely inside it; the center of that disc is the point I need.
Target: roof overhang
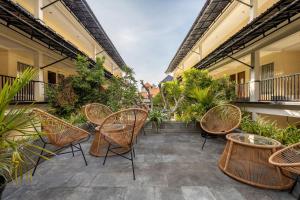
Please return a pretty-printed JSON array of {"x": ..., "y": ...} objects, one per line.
[
  {"x": 166, "y": 79},
  {"x": 18, "y": 19},
  {"x": 207, "y": 16},
  {"x": 278, "y": 16},
  {"x": 83, "y": 13}
]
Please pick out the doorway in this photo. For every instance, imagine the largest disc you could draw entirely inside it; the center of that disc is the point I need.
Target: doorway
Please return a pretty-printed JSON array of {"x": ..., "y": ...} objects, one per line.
[{"x": 51, "y": 77}]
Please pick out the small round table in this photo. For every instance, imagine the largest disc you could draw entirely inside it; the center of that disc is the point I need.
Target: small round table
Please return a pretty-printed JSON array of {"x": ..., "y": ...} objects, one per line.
[
  {"x": 99, "y": 145},
  {"x": 245, "y": 158}
]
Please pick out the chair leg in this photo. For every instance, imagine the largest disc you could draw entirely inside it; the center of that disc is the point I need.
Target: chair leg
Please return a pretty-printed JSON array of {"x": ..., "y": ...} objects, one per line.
[
  {"x": 39, "y": 158},
  {"x": 72, "y": 149},
  {"x": 132, "y": 164},
  {"x": 294, "y": 185},
  {"x": 136, "y": 140},
  {"x": 205, "y": 138},
  {"x": 144, "y": 132},
  {"x": 133, "y": 152},
  {"x": 82, "y": 154},
  {"x": 106, "y": 154}
]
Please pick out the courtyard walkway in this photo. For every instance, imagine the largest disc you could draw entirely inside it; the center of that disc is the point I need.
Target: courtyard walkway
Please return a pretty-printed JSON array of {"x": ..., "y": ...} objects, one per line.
[{"x": 169, "y": 166}]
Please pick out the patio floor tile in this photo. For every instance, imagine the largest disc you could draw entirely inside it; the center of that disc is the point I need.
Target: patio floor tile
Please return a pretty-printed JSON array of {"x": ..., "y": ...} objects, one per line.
[{"x": 169, "y": 166}]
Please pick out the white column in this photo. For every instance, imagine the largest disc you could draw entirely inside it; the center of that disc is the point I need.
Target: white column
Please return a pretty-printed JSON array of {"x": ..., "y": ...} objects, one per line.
[
  {"x": 39, "y": 94},
  {"x": 254, "y": 76},
  {"x": 95, "y": 52},
  {"x": 254, "y": 79},
  {"x": 253, "y": 10},
  {"x": 112, "y": 68},
  {"x": 200, "y": 51},
  {"x": 38, "y": 12},
  {"x": 255, "y": 61}
]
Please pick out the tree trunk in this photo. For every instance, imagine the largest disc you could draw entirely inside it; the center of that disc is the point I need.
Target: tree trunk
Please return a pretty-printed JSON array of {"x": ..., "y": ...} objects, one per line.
[
  {"x": 161, "y": 88},
  {"x": 177, "y": 103}
]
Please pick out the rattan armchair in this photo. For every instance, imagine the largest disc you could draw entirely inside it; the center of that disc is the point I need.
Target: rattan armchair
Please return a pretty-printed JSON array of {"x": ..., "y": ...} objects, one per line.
[
  {"x": 96, "y": 113},
  {"x": 288, "y": 159},
  {"x": 120, "y": 130},
  {"x": 59, "y": 134},
  {"x": 146, "y": 108},
  {"x": 220, "y": 120}
]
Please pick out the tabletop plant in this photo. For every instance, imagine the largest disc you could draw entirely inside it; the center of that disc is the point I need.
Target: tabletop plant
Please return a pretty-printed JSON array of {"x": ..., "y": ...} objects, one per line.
[{"x": 17, "y": 131}]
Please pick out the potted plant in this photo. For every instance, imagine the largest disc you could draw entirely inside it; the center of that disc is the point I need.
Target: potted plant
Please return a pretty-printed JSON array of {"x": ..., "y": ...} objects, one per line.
[
  {"x": 156, "y": 117},
  {"x": 16, "y": 132}
]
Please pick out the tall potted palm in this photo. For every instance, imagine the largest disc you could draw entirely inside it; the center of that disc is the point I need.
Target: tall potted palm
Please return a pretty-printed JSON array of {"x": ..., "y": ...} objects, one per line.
[{"x": 16, "y": 132}]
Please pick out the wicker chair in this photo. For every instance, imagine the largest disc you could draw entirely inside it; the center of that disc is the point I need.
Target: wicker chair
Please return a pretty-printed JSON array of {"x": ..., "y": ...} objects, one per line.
[
  {"x": 96, "y": 113},
  {"x": 59, "y": 134},
  {"x": 146, "y": 108},
  {"x": 220, "y": 120},
  {"x": 288, "y": 159},
  {"x": 120, "y": 130}
]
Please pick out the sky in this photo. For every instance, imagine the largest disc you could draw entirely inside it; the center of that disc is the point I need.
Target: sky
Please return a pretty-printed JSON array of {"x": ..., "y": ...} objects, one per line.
[{"x": 147, "y": 33}]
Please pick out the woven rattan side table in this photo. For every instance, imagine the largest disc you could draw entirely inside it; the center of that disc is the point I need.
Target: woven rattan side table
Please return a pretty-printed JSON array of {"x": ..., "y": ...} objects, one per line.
[{"x": 245, "y": 158}]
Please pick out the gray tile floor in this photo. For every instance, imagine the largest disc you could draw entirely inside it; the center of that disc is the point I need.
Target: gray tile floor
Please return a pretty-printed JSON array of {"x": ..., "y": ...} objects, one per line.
[{"x": 169, "y": 166}]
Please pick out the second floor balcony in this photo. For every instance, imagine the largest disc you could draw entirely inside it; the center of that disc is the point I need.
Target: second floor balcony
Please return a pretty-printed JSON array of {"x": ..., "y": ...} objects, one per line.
[{"x": 283, "y": 89}]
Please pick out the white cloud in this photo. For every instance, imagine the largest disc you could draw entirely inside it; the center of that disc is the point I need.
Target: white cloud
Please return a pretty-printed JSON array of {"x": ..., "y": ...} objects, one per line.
[{"x": 147, "y": 33}]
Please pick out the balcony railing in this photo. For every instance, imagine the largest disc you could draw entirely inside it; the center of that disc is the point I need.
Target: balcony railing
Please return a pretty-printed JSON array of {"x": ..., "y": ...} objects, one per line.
[
  {"x": 285, "y": 88},
  {"x": 27, "y": 93}
]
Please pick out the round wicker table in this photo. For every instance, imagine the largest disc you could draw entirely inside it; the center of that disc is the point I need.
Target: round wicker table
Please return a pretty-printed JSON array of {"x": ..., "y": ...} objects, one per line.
[
  {"x": 245, "y": 158},
  {"x": 99, "y": 144}
]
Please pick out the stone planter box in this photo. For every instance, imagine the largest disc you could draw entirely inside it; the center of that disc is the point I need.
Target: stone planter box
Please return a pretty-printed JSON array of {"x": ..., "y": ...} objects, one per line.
[{"x": 172, "y": 126}]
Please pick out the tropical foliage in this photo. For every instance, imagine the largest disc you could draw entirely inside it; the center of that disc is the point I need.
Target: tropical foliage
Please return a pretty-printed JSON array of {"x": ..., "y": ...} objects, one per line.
[
  {"x": 17, "y": 130},
  {"x": 90, "y": 85},
  {"x": 122, "y": 91},
  {"x": 263, "y": 127},
  {"x": 196, "y": 94},
  {"x": 156, "y": 117},
  {"x": 75, "y": 91}
]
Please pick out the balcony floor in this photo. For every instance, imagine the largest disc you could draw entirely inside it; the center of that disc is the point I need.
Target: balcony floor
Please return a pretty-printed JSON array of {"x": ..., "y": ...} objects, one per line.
[{"x": 169, "y": 166}]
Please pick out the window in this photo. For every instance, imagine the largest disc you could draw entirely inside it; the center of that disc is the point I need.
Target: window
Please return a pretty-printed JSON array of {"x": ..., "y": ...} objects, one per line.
[
  {"x": 267, "y": 75},
  {"x": 51, "y": 77},
  {"x": 267, "y": 71},
  {"x": 232, "y": 78},
  {"x": 21, "y": 67}
]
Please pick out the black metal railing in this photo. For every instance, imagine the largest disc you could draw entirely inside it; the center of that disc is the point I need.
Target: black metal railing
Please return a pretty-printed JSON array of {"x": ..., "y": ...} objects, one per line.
[
  {"x": 242, "y": 92},
  {"x": 285, "y": 88},
  {"x": 26, "y": 94}
]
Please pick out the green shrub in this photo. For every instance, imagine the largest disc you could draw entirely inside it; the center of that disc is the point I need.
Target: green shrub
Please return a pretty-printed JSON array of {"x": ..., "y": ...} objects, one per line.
[
  {"x": 286, "y": 136},
  {"x": 76, "y": 118},
  {"x": 289, "y": 135},
  {"x": 196, "y": 94},
  {"x": 156, "y": 116},
  {"x": 122, "y": 91},
  {"x": 75, "y": 91}
]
